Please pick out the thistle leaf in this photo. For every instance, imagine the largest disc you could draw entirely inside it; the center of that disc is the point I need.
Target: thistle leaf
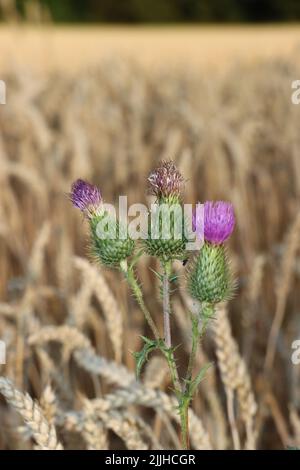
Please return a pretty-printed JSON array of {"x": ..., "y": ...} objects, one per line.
[{"x": 142, "y": 356}]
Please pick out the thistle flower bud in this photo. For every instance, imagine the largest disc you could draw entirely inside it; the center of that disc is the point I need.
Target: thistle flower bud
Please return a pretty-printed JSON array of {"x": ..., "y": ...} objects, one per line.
[
  {"x": 166, "y": 182},
  {"x": 167, "y": 241},
  {"x": 210, "y": 275},
  {"x": 219, "y": 221},
  {"x": 210, "y": 278},
  {"x": 86, "y": 197},
  {"x": 110, "y": 250}
]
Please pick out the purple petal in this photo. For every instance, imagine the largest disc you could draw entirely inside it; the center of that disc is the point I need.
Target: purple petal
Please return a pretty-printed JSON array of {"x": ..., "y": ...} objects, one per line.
[
  {"x": 219, "y": 221},
  {"x": 84, "y": 195},
  {"x": 166, "y": 180}
]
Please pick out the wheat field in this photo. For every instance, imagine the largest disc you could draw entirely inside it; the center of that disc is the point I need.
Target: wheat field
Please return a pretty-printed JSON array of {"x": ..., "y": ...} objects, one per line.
[
  {"x": 44, "y": 48},
  {"x": 70, "y": 325}
]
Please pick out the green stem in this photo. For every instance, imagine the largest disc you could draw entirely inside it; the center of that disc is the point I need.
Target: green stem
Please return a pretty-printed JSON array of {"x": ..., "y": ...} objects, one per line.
[
  {"x": 168, "y": 350},
  {"x": 166, "y": 303},
  {"x": 169, "y": 355},
  {"x": 192, "y": 358},
  {"x": 184, "y": 421},
  {"x": 197, "y": 333},
  {"x": 186, "y": 398},
  {"x": 131, "y": 279}
]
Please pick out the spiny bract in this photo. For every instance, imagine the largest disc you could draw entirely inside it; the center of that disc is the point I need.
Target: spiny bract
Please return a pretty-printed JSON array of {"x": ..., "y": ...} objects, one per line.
[
  {"x": 210, "y": 275},
  {"x": 110, "y": 251},
  {"x": 167, "y": 248}
]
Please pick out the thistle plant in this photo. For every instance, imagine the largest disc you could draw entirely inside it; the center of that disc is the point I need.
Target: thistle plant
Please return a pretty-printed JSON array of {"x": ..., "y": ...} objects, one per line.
[{"x": 209, "y": 276}]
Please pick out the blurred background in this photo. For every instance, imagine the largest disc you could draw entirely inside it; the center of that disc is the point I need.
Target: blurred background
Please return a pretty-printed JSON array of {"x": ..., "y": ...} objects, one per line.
[
  {"x": 163, "y": 11},
  {"x": 104, "y": 90}
]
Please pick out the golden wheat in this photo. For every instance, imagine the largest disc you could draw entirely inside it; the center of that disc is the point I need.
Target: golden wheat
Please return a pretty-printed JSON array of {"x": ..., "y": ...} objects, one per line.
[
  {"x": 43, "y": 432},
  {"x": 70, "y": 326},
  {"x": 235, "y": 378}
]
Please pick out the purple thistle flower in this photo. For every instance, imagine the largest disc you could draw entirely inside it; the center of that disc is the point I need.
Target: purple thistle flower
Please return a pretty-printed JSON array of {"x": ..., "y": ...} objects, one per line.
[
  {"x": 219, "y": 221},
  {"x": 86, "y": 197},
  {"x": 166, "y": 181}
]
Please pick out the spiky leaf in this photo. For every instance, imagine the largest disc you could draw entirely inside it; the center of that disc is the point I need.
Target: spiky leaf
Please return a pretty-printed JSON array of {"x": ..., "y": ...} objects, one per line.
[{"x": 142, "y": 356}]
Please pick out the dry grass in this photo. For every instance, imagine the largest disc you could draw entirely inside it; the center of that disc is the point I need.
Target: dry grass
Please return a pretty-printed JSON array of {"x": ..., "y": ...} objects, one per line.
[{"x": 70, "y": 326}]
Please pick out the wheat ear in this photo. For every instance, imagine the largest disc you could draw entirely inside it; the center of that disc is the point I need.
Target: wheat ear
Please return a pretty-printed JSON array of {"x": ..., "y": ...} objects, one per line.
[
  {"x": 235, "y": 378},
  {"x": 116, "y": 374},
  {"x": 42, "y": 431},
  {"x": 48, "y": 403},
  {"x": 104, "y": 295}
]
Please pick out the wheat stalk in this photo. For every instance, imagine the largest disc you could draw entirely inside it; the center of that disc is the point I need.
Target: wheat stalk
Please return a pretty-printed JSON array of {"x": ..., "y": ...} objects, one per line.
[
  {"x": 75, "y": 342},
  {"x": 116, "y": 374},
  {"x": 139, "y": 395},
  {"x": 121, "y": 423},
  {"x": 107, "y": 300},
  {"x": 235, "y": 378}
]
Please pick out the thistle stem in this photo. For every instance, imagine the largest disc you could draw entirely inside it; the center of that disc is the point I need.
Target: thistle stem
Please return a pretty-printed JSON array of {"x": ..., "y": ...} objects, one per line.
[
  {"x": 184, "y": 421},
  {"x": 131, "y": 279},
  {"x": 192, "y": 358},
  {"x": 169, "y": 354},
  {"x": 166, "y": 304},
  {"x": 197, "y": 334},
  {"x": 186, "y": 397}
]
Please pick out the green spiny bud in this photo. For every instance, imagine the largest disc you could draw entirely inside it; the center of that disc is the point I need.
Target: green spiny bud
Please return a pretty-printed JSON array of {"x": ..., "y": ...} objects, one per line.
[
  {"x": 166, "y": 238},
  {"x": 210, "y": 277},
  {"x": 113, "y": 249}
]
